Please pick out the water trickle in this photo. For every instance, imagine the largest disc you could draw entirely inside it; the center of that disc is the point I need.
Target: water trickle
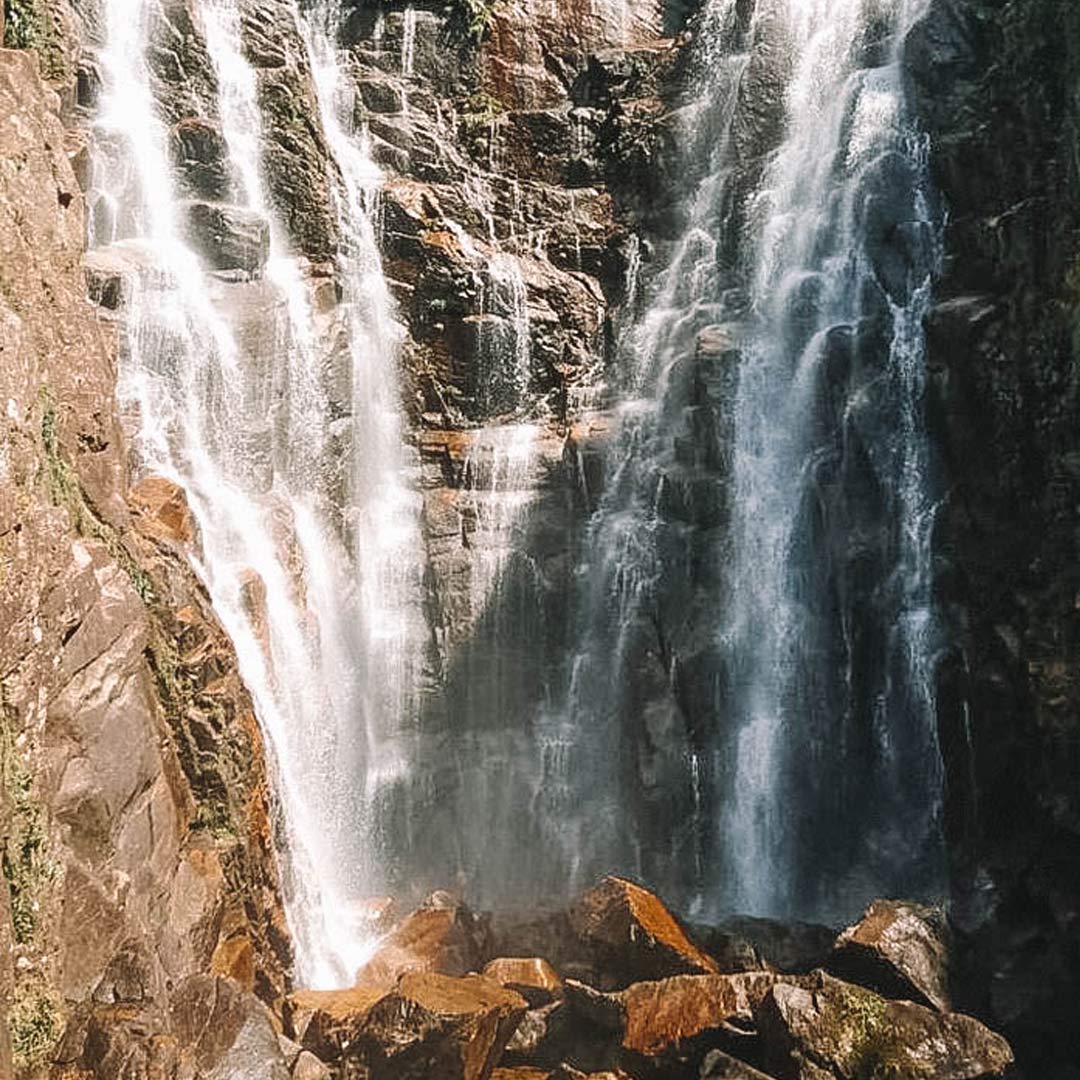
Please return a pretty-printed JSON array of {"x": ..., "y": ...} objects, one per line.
[{"x": 408, "y": 41}]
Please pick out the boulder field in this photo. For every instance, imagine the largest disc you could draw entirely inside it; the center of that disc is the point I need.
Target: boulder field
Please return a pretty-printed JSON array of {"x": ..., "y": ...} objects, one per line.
[{"x": 625, "y": 992}]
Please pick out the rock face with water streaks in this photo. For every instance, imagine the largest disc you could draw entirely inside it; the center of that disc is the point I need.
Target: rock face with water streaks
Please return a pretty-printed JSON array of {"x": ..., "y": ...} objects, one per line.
[{"x": 996, "y": 86}]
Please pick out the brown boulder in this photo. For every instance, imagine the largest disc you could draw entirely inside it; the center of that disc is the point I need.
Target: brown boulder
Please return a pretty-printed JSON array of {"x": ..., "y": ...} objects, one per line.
[
  {"x": 428, "y": 1025},
  {"x": 532, "y": 977},
  {"x": 634, "y": 937},
  {"x": 325, "y": 1022},
  {"x": 442, "y": 937},
  {"x": 828, "y": 1028},
  {"x": 677, "y": 1018},
  {"x": 899, "y": 949},
  {"x": 434, "y": 1025}
]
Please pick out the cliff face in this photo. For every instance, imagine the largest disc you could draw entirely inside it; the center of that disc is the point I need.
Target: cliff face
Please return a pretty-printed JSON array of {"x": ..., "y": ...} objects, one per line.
[
  {"x": 137, "y": 850},
  {"x": 998, "y": 85}
]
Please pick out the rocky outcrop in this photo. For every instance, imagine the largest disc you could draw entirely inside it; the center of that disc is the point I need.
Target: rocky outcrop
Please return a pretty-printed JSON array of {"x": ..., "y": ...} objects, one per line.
[
  {"x": 901, "y": 950},
  {"x": 995, "y": 87},
  {"x": 834, "y": 1029},
  {"x": 137, "y": 839},
  {"x": 634, "y": 936}
]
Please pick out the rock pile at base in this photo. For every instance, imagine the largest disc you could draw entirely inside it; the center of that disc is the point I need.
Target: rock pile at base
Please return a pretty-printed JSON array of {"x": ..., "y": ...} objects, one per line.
[{"x": 617, "y": 989}]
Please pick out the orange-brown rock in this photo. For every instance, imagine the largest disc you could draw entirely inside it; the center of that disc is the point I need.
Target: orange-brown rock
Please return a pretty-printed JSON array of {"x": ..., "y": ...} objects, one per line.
[
  {"x": 162, "y": 510},
  {"x": 442, "y": 936},
  {"x": 899, "y": 949},
  {"x": 436, "y": 1026},
  {"x": 521, "y": 1072},
  {"x": 428, "y": 1025},
  {"x": 633, "y": 935},
  {"x": 660, "y": 1019},
  {"x": 326, "y": 1021},
  {"x": 235, "y": 959},
  {"x": 532, "y": 977}
]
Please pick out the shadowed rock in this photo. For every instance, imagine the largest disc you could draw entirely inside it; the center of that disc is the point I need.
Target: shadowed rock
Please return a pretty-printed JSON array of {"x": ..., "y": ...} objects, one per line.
[
  {"x": 898, "y": 949},
  {"x": 229, "y": 237},
  {"x": 832, "y": 1029}
]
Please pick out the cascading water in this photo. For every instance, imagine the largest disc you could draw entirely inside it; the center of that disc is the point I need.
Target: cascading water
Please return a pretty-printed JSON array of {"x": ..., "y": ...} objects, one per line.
[
  {"x": 286, "y": 438},
  {"x": 830, "y": 631},
  {"x": 748, "y": 716}
]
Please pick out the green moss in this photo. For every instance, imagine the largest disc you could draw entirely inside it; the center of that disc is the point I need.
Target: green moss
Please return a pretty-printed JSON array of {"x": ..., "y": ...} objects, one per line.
[
  {"x": 35, "y": 1022},
  {"x": 24, "y": 853},
  {"x": 877, "y": 1049},
  {"x": 468, "y": 21},
  {"x": 480, "y": 110},
  {"x": 30, "y": 24},
  {"x": 64, "y": 489}
]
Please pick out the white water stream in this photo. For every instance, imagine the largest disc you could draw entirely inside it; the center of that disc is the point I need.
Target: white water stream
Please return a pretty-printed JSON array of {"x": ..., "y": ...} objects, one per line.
[{"x": 282, "y": 424}]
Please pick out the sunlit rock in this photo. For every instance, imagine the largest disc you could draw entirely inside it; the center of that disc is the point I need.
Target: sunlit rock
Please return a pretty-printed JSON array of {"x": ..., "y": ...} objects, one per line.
[
  {"x": 428, "y": 1025},
  {"x": 899, "y": 949},
  {"x": 675, "y": 1019},
  {"x": 442, "y": 937},
  {"x": 163, "y": 510},
  {"x": 532, "y": 977},
  {"x": 634, "y": 936}
]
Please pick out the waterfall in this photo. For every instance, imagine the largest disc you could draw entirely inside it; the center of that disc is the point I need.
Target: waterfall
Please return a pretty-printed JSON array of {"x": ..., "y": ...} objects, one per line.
[
  {"x": 748, "y": 713},
  {"x": 830, "y": 630},
  {"x": 281, "y": 422}
]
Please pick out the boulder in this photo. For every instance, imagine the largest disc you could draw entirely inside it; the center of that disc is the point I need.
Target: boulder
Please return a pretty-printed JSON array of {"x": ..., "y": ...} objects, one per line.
[
  {"x": 439, "y": 937},
  {"x": 743, "y": 943},
  {"x": 634, "y": 937},
  {"x": 657, "y": 1022},
  {"x": 434, "y": 1025},
  {"x": 828, "y": 1028},
  {"x": 534, "y": 1033},
  {"x": 720, "y": 1066},
  {"x": 899, "y": 949},
  {"x": 324, "y": 1022},
  {"x": 228, "y": 237},
  {"x": 532, "y": 977}
]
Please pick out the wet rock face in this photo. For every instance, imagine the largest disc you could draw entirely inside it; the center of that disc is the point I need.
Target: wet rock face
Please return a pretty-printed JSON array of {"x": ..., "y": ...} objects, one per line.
[
  {"x": 136, "y": 836},
  {"x": 995, "y": 85},
  {"x": 229, "y": 237}
]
